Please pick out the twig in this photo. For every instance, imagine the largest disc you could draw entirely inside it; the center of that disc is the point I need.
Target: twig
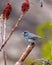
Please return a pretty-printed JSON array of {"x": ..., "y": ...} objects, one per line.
[
  {"x": 4, "y": 57},
  {"x": 11, "y": 32},
  {"x": 4, "y": 29},
  {"x": 5, "y": 15},
  {"x": 1, "y": 20},
  {"x": 4, "y": 36},
  {"x": 25, "y": 54}
]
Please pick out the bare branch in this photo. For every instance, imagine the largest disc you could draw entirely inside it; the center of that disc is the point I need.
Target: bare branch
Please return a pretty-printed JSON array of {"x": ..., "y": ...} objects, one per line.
[
  {"x": 1, "y": 20},
  {"x": 4, "y": 37},
  {"x": 11, "y": 32},
  {"x": 4, "y": 57},
  {"x": 25, "y": 54}
]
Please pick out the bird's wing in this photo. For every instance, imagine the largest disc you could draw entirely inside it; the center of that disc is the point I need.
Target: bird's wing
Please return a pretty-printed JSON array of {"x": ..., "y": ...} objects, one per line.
[{"x": 31, "y": 35}]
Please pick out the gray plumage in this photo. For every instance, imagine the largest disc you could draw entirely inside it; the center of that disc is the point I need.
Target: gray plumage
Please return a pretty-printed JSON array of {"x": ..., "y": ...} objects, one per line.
[{"x": 30, "y": 37}]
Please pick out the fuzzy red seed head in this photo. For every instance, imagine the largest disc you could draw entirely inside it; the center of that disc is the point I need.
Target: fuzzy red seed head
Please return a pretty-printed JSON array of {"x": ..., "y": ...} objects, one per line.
[
  {"x": 25, "y": 6},
  {"x": 7, "y": 11}
]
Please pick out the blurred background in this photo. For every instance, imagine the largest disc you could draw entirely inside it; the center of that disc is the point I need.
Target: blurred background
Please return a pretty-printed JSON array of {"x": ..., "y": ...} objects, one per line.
[{"x": 37, "y": 20}]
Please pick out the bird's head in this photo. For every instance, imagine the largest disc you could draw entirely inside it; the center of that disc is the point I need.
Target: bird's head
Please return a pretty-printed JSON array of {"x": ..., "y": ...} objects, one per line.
[{"x": 25, "y": 33}]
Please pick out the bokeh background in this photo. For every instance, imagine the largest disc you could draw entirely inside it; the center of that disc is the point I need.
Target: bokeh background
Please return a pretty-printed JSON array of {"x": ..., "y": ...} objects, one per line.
[{"x": 38, "y": 21}]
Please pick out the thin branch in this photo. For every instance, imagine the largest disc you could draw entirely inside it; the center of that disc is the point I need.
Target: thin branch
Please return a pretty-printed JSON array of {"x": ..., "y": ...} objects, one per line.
[
  {"x": 4, "y": 36},
  {"x": 4, "y": 57},
  {"x": 6, "y": 12},
  {"x": 1, "y": 20},
  {"x": 25, "y": 54},
  {"x": 11, "y": 32},
  {"x": 4, "y": 29}
]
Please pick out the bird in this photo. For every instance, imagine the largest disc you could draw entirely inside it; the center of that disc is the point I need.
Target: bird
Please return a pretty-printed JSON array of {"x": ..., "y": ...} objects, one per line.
[{"x": 30, "y": 37}]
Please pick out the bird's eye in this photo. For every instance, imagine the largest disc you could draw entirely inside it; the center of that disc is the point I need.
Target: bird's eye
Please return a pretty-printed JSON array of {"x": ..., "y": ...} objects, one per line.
[{"x": 25, "y": 32}]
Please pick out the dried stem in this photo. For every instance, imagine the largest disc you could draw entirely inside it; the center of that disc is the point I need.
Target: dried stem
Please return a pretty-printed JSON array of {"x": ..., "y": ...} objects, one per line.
[
  {"x": 4, "y": 57},
  {"x": 25, "y": 54},
  {"x": 11, "y": 32},
  {"x": 4, "y": 30},
  {"x": 1, "y": 20},
  {"x": 4, "y": 36},
  {"x": 6, "y": 12}
]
